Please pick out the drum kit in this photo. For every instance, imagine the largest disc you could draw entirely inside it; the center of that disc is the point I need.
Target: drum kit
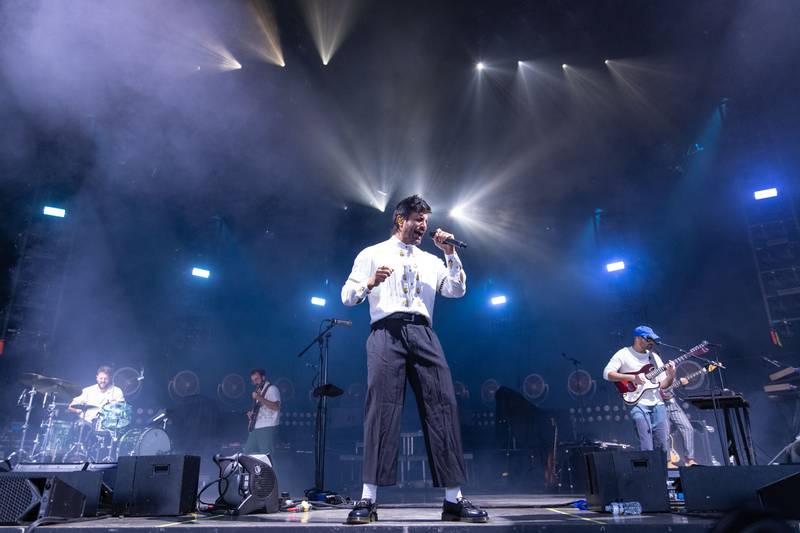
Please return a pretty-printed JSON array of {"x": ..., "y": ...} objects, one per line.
[{"x": 65, "y": 435}]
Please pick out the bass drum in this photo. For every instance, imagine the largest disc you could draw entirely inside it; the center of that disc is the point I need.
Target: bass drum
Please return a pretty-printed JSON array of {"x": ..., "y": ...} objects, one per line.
[{"x": 144, "y": 441}]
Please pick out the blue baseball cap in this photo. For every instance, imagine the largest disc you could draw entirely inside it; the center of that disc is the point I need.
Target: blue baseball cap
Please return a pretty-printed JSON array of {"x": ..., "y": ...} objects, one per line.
[{"x": 646, "y": 332}]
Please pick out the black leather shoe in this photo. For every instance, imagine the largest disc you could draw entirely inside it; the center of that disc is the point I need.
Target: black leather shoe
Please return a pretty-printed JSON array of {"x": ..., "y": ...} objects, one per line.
[
  {"x": 364, "y": 512},
  {"x": 463, "y": 511}
]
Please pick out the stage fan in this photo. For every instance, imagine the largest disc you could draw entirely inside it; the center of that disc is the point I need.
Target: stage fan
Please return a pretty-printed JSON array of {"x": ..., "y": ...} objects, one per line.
[
  {"x": 185, "y": 383},
  {"x": 461, "y": 391},
  {"x": 356, "y": 391},
  {"x": 488, "y": 390},
  {"x": 231, "y": 388},
  {"x": 247, "y": 484},
  {"x": 535, "y": 388},
  {"x": 690, "y": 367},
  {"x": 286, "y": 387},
  {"x": 129, "y": 380},
  {"x": 581, "y": 384}
]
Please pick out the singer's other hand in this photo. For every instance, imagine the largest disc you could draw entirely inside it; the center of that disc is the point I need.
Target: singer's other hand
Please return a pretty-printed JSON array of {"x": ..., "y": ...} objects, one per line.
[
  {"x": 379, "y": 277},
  {"x": 670, "y": 368},
  {"x": 439, "y": 237}
]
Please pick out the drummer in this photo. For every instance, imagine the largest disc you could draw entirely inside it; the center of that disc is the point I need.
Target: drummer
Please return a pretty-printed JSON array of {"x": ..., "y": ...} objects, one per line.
[{"x": 97, "y": 395}]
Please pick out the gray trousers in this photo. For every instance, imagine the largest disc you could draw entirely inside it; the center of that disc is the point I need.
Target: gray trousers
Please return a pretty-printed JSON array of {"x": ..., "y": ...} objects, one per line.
[
  {"x": 400, "y": 352},
  {"x": 261, "y": 440},
  {"x": 680, "y": 421}
]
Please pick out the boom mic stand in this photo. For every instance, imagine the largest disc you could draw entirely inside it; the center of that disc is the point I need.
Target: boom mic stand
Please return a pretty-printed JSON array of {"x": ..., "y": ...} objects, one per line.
[
  {"x": 325, "y": 389},
  {"x": 714, "y": 400}
]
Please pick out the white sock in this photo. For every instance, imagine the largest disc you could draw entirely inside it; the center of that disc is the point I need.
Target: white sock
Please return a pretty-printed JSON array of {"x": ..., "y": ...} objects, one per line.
[
  {"x": 452, "y": 494},
  {"x": 370, "y": 491}
]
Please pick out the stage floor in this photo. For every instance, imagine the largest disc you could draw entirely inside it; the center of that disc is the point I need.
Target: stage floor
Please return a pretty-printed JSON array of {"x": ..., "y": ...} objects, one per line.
[{"x": 520, "y": 514}]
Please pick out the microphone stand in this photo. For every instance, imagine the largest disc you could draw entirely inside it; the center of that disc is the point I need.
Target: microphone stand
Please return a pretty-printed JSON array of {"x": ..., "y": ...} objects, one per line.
[
  {"x": 714, "y": 399},
  {"x": 578, "y": 429},
  {"x": 322, "y": 340}
]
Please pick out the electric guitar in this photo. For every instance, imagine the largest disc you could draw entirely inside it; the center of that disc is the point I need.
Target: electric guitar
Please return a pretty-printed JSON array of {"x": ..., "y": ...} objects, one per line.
[
  {"x": 256, "y": 406},
  {"x": 632, "y": 391},
  {"x": 669, "y": 392}
]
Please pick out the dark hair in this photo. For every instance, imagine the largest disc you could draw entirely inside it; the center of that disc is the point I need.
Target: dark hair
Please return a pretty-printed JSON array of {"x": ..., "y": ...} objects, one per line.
[
  {"x": 260, "y": 371},
  {"x": 104, "y": 369},
  {"x": 406, "y": 206}
]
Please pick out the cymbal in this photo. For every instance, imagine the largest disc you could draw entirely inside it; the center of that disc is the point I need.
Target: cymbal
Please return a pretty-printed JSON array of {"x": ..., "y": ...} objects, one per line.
[
  {"x": 32, "y": 379},
  {"x": 60, "y": 386},
  {"x": 84, "y": 406}
]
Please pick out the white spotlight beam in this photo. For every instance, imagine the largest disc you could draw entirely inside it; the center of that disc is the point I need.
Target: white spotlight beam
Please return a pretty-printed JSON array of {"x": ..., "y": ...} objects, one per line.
[
  {"x": 268, "y": 44},
  {"x": 329, "y": 23}
]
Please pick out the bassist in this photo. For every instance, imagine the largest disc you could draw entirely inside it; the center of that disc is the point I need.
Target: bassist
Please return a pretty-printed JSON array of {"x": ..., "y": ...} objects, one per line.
[
  {"x": 264, "y": 417},
  {"x": 649, "y": 413}
]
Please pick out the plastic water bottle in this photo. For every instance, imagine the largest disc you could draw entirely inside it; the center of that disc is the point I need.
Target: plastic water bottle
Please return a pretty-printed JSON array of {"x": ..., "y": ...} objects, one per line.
[{"x": 624, "y": 508}]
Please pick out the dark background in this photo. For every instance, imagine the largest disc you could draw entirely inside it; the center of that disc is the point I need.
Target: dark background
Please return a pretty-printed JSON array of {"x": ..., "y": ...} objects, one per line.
[{"x": 269, "y": 176}]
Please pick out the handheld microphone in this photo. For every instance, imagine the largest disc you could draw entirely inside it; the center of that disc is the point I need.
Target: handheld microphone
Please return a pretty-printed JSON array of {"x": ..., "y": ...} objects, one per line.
[
  {"x": 340, "y": 322},
  {"x": 451, "y": 241}
]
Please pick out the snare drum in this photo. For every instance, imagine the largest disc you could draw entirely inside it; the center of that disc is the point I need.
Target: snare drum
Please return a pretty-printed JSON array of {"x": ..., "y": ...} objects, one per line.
[
  {"x": 114, "y": 416},
  {"x": 144, "y": 441}
]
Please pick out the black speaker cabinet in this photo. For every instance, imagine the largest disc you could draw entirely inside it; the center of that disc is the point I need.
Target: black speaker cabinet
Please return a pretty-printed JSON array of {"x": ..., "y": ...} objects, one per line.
[
  {"x": 780, "y": 497},
  {"x": 28, "y": 498},
  {"x": 156, "y": 485},
  {"x": 94, "y": 480},
  {"x": 724, "y": 488},
  {"x": 627, "y": 476}
]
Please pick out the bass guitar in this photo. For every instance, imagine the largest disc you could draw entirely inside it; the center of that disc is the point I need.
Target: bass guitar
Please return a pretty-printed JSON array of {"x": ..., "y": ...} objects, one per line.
[
  {"x": 632, "y": 391},
  {"x": 253, "y": 413},
  {"x": 669, "y": 392}
]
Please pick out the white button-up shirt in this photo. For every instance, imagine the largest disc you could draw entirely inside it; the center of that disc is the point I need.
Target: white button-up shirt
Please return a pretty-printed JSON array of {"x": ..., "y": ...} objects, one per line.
[{"x": 412, "y": 286}]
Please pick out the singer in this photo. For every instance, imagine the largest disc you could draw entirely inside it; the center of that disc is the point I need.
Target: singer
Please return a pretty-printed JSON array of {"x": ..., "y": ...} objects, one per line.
[{"x": 400, "y": 281}]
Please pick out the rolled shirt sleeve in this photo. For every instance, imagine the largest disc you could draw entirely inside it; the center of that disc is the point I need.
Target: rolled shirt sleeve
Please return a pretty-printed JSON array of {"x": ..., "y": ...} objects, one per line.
[
  {"x": 452, "y": 281},
  {"x": 355, "y": 289}
]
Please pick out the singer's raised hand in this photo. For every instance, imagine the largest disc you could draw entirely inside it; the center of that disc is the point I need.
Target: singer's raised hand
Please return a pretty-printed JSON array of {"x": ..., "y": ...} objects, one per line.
[{"x": 438, "y": 239}]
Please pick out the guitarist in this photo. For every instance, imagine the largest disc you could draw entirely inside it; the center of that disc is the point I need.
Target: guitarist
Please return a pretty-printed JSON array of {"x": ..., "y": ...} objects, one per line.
[
  {"x": 264, "y": 416},
  {"x": 649, "y": 414}
]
